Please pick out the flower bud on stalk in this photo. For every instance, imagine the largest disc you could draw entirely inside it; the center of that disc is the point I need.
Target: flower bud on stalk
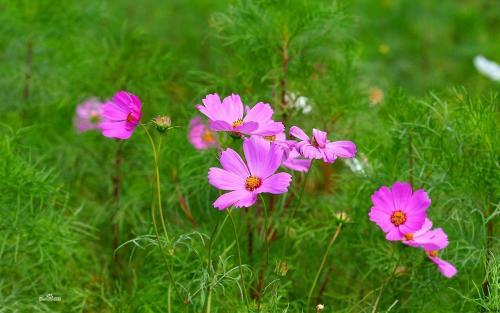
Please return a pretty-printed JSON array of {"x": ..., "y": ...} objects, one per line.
[{"x": 161, "y": 123}]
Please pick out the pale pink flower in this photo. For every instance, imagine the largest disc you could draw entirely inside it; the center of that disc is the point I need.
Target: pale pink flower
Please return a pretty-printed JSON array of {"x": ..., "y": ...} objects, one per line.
[
  {"x": 319, "y": 147},
  {"x": 89, "y": 115},
  {"x": 200, "y": 136},
  {"x": 246, "y": 181},
  {"x": 230, "y": 115},
  {"x": 398, "y": 210},
  {"x": 122, "y": 115},
  {"x": 292, "y": 159}
]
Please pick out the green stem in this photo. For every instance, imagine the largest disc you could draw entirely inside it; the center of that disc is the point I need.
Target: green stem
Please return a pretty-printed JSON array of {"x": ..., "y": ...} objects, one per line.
[
  {"x": 322, "y": 265},
  {"x": 242, "y": 277},
  {"x": 153, "y": 215},
  {"x": 157, "y": 174},
  {"x": 215, "y": 234},
  {"x": 292, "y": 214},
  {"x": 266, "y": 242},
  {"x": 385, "y": 282}
]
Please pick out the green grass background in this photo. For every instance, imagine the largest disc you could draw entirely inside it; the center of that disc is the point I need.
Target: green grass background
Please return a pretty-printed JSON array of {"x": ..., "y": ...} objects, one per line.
[{"x": 62, "y": 213}]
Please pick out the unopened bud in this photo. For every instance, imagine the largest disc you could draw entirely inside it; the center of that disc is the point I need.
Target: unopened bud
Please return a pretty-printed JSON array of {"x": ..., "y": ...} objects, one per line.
[
  {"x": 319, "y": 307},
  {"x": 342, "y": 217},
  {"x": 162, "y": 123}
]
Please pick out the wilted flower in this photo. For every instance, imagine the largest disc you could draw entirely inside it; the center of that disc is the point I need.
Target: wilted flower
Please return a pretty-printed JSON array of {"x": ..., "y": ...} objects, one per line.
[
  {"x": 319, "y": 147},
  {"x": 398, "y": 210},
  {"x": 488, "y": 68},
  {"x": 122, "y": 115},
  {"x": 200, "y": 136},
  {"x": 376, "y": 95},
  {"x": 161, "y": 123},
  {"x": 246, "y": 181},
  {"x": 230, "y": 115},
  {"x": 89, "y": 115},
  {"x": 298, "y": 102}
]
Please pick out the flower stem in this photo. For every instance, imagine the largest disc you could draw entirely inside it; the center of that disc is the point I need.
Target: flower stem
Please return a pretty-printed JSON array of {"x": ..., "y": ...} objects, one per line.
[
  {"x": 323, "y": 261},
  {"x": 215, "y": 234},
  {"x": 292, "y": 214},
  {"x": 260, "y": 283},
  {"x": 385, "y": 282},
  {"x": 153, "y": 215},
  {"x": 242, "y": 277}
]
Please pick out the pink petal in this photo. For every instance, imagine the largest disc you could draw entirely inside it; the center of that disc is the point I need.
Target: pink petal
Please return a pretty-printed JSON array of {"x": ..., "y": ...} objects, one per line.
[
  {"x": 219, "y": 126},
  {"x": 276, "y": 184},
  {"x": 342, "y": 149},
  {"x": 413, "y": 223},
  {"x": 401, "y": 195},
  {"x": 232, "y": 162},
  {"x": 238, "y": 198},
  {"x": 263, "y": 159},
  {"x": 308, "y": 151},
  {"x": 246, "y": 128},
  {"x": 382, "y": 219},
  {"x": 225, "y": 180},
  {"x": 212, "y": 107},
  {"x": 115, "y": 130},
  {"x": 320, "y": 137},
  {"x": 425, "y": 228},
  {"x": 328, "y": 156},
  {"x": 447, "y": 269},
  {"x": 382, "y": 199},
  {"x": 269, "y": 129},
  {"x": 394, "y": 235},
  {"x": 233, "y": 106},
  {"x": 260, "y": 113},
  {"x": 419, "y": 202},
  {"x": 298, "y": 133}
]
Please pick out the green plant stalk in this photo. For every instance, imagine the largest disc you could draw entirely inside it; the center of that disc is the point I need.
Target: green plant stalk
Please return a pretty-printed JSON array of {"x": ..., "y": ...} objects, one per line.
[
  {"x": 385, "y": 282},
  {"x": 153, "y": 214},
  {"x": 239, "y": 258},
  {"x": 157, "y": 174},
  {"x": 323, "y": 262},
  {"x": 266, "y": 242},
  {"x": 215, "y": 234},
  {"x": 292, "y": 214}
]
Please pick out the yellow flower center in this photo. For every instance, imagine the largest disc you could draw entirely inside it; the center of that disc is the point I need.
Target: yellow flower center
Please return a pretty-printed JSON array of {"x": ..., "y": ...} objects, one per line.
[
  {"x": 207, "y": 136},
  {"x": 270, "y": 138},
  {"x": 237, "y": 123},
  {"x": 398, "y": 218},
  {"x": 252, "y": 183},
  {"x": 432, "y": 253},
  {"x": 409, "y": 236}
]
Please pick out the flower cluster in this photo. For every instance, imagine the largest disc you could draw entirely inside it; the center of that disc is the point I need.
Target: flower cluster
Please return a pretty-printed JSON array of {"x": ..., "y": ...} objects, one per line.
[
  {"x": 402, "y": 215},
  {"x": 265, "y": 148}
]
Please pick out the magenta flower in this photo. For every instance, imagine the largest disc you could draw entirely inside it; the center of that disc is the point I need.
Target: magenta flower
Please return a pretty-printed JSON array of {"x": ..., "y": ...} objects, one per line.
[
  {"x": 231, "y": 116},
  {"x": 398, "y": 210},
  {"x": 200, "y": 136},
  {"x": 122, "y": 115},
  {"x": 319, "y": 147},
  {"x": 431, "y": 241},
  {"x": 89, "y": 115},
  {"x": 246, "y": 181}
]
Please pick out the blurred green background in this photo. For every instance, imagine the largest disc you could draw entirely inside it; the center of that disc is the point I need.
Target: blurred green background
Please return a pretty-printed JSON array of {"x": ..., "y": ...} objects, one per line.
[{"x": 396, "y": 77}]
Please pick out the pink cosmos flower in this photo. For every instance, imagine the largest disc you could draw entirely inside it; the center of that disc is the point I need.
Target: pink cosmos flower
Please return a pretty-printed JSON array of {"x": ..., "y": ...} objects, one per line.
[
  {"x": 246, "y": 181},
  {"x": 319, "y": 147},
  {"x": 200, "y": 136},
  {"x": 122, "y": 115},
  {"x": 88, "y": 115},
  {"x": 292, "y": 159},
  {"x": 431, "y": 241},
  {"x": 398, "y": 210},
  {"x": 231, "y": 116}
]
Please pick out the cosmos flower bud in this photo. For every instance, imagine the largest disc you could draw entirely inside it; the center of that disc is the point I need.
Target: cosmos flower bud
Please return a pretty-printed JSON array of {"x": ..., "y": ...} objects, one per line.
[
  {"x": 320, "y": 307},
  {"x": 161, "y": 123},
  {"x": 342, "y": 217}
]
